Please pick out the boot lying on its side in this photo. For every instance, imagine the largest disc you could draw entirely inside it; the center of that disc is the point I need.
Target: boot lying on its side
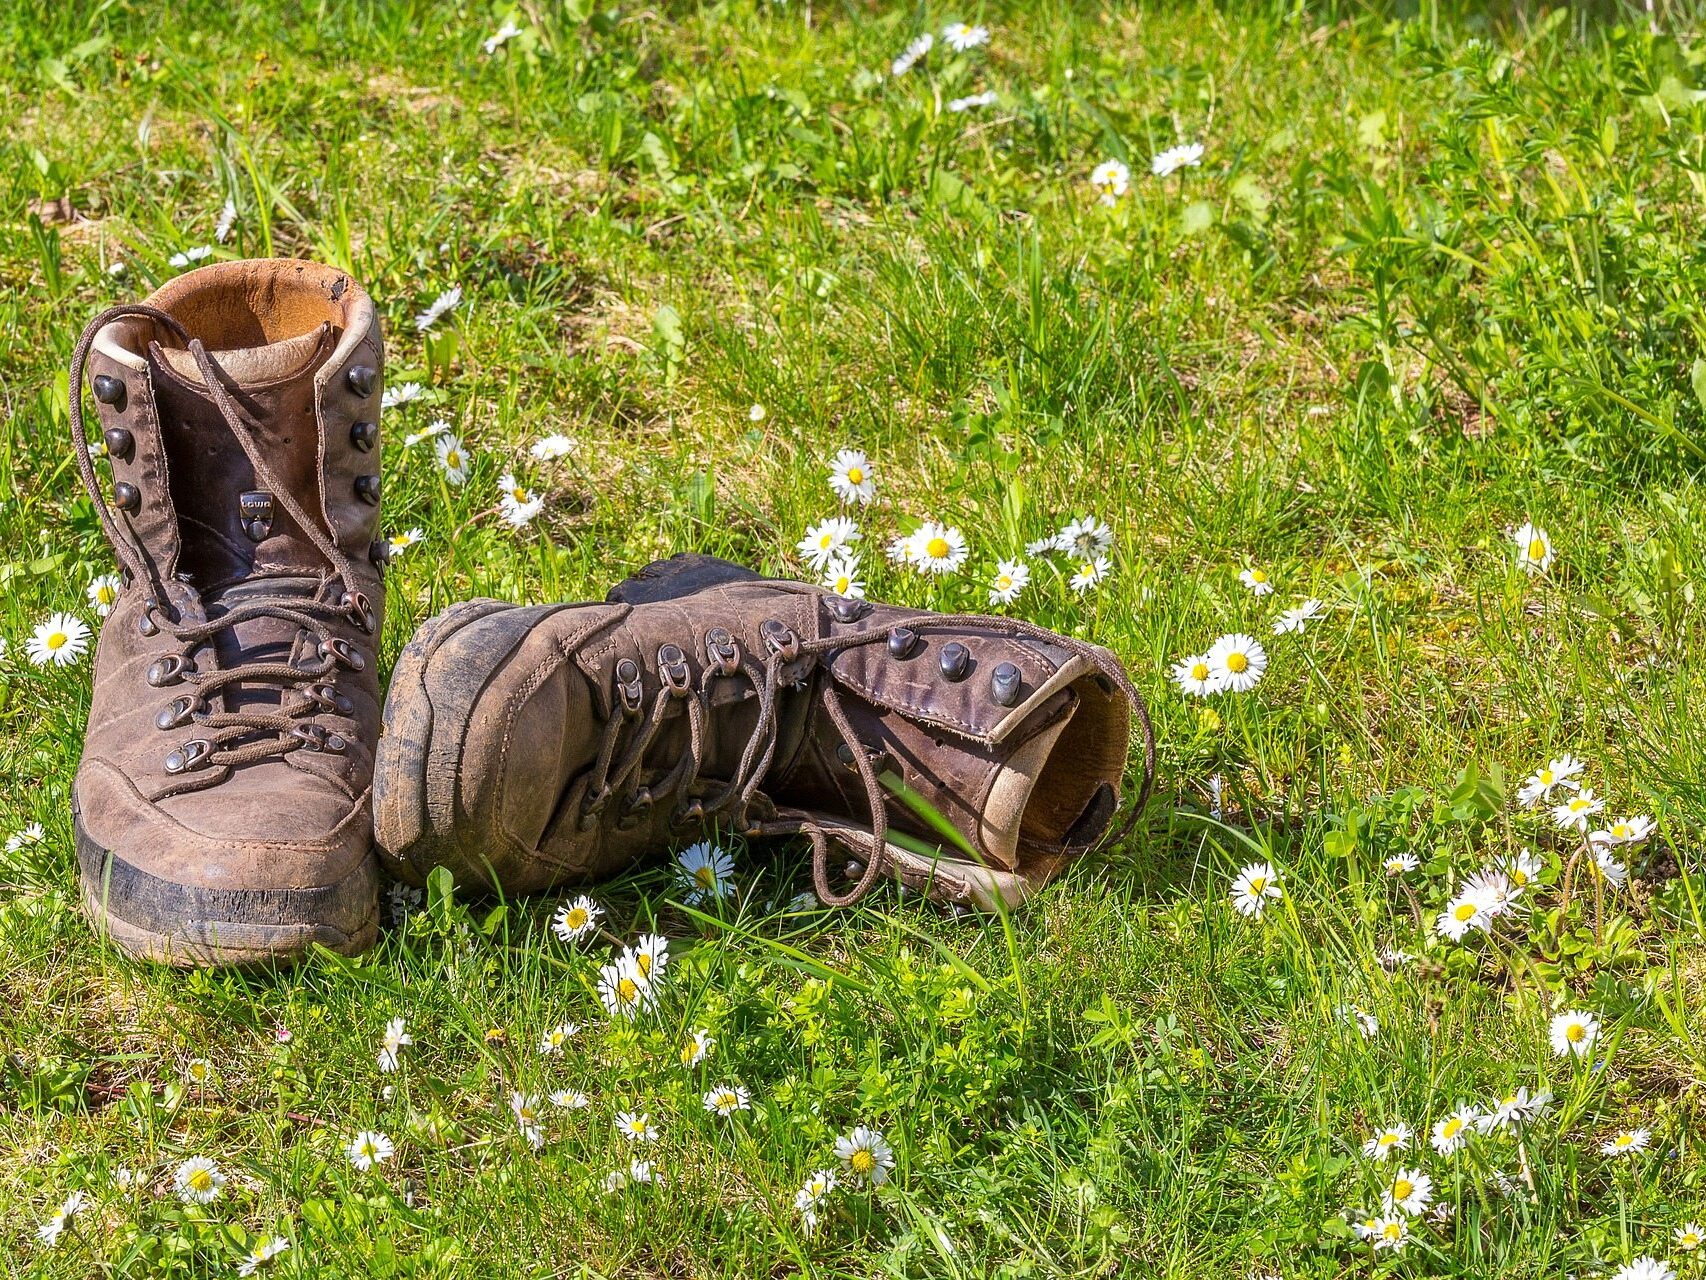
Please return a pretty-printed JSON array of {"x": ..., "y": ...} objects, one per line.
[
  {"x": 526, "y": 747},
  {"x": 221, "y": 807}
]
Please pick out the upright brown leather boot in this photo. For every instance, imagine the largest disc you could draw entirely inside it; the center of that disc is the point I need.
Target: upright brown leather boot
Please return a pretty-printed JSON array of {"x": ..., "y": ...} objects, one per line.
[
  {"x": 222, "y": 804},
  {"x": 528, "y": 746}
]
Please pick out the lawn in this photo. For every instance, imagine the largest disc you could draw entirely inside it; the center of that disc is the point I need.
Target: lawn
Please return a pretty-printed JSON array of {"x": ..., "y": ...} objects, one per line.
[{"x": 1414, "y": 335}]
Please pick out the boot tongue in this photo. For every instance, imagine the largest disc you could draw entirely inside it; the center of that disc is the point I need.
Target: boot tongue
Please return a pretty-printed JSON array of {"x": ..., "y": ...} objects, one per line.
[
  {"x": 230, "y": 524},
  {"x": 263, "y": 639}
]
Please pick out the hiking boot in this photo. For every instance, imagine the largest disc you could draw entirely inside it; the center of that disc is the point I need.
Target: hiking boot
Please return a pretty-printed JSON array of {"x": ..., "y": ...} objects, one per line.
[
  {"x": 526, "y": 747},
  {"x": 222, "y": 803}
]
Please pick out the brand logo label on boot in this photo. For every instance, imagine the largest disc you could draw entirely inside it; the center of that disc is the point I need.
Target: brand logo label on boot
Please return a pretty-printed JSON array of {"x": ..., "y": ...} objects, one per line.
[{"x": 256, "y": 510}]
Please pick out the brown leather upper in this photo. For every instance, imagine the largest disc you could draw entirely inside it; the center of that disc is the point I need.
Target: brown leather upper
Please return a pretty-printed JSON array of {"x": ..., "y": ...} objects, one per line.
[
  {"x": 267, "y": 805},
  {"x": 583, "y": 737}
]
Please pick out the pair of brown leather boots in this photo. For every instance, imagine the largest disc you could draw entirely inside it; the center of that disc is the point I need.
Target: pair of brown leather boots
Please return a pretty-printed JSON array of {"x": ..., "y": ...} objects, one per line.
[{"x": 237, "y": 782}]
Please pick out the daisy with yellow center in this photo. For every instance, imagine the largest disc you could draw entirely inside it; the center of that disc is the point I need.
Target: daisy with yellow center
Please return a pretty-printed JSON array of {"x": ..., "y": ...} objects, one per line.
[
  {"x": 1451, "y": 1133},
  {"x": 852, "y": 477},
  {"x": 1010, "y": 579},
  {"x": 1533, "y": 549},
  {"x": 60, "y": 640},
  {"x": 865, "y": 1154},
  {"x": 1257, "y": 581},
  {"x": 452, "y": 458},
  {"x": 937, "y": 548},
  {"x": 1392, "y": 1138},
  {"x": 577, "y": 919},
  {"x": 636, "y": 1126},
  {"x": 1195, "y": 676},
  {"x": 369, "y": 1149},
  {"x": 726, "y": 1099},
  {"x": 696, "y": 1048},
  {"x": 198, "y": 1180},
  {"x": 1574, "y": 1034}
]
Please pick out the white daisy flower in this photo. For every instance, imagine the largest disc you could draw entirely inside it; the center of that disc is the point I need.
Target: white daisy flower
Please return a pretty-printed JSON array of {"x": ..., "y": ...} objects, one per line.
[
  {"x": 696, "y": 1048},
  {"x": 706, "y": 871},
  {"x": 1558, "y": 775},
  {"x": 1522, "y": 870},
  {"x": 517, "y": 504},
  {"x": 911, "y": 55},
  {"x": 1411, "y": 1191},
  {"x": 392, "y": 1042},
  {"x": 864, "y": 1154},
  {"x": 1625, "y": 832},
  {"x": 1450, "y": 1134},
  {"x": 198, "y": 1181},
  {"x": 525, "y": 1108},
  {"x": 499, "y": 38},
  {"x": 1085, "y": 538},
  {"x": 1392, "y": 1138},
  {"x": 197, "y": 254},
  {"x": 570, "y": 1100},
  {"x": 1090, "y": 574},
  {"x": 50, "y": 1231},
  {"x": 1513, "y": 1109},
  {"x": 636, "y": 1126},
  {"x": 1574, "y": 813},
  {"x": 369, "y": 1149},
  {"x": 1364, "y": 1021},
  {"x": 198, "y": 1071},
  {"x": 841, "y": 575},
  {"x": 1110, "y": 180},
  {"x": 852, "y": 477},
  {"x": 1533, "y": 549},
  {"x": 960, "y": 36},
  {"x": 1492, "y": 887},
  {"x": 103, "y": 593},
  {"x": 623, "y": 992},
  {"x": 1574, "y": 1033},
  {"x": 937, "y": 548},
  {"x": 437, "y": 427},
  {"x": 1400, "y": 864},
  {"x": 1391, "y": 1234},
  {"x": 30, "y": 833},
  {"x": 1042, "y": 546},
  {"x": 1468, "y": 911},
  {"x": 1627, "y": 1143},
  {"x": 227, "y": 220},
  {"x": 757, "y": 413},
  {"x": 726, "y": 1099},
  {"x": 1689, "y": 1237},
  {"x": 642, "y": 1171},
  {"x": 442, "y": 306},
  {"x": 649, "y": 957},
  {"x": 1195, "y": 676},
  {"x": 1257, "y": 581},
  {"x": 452, "y": 459},
  {"x": 1185, "y": 156},
  {"x": 554, "y": 1041},
  {"x": 1298, "y": 618},
  {"x": 403, "y": 900},
  {"x": 1645, "y": 1267},
  {"x": 401, "y": 542},
  {"x": 265, "y": 1250},
  {"x": 899, "y": 549},
  {"x": 823, "y": 542},
  {"x": 988, "y": 98},
  {"x": 552, "y": 447},
  {"x": 1011, "y": 578},
  {"x": 1608, "y": 867},
  {"x": 60, "y": 640},
  {"x": 1237, "y": 661},
  {"x": 577, "y": 919},
  {"x": 1257, "y": 885},
  {"x": 401, "y": 394}
]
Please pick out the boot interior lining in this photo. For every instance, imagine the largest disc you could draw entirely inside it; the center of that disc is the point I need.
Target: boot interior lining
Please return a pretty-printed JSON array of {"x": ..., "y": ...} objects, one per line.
[{"x": 1085, "y": 765}]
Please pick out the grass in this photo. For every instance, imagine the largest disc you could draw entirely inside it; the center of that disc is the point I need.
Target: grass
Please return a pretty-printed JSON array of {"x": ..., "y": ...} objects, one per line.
[{"x": 1437, "y": 275}]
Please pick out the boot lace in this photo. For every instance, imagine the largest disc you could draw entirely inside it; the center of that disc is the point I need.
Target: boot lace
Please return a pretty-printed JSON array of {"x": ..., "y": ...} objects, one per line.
[{"x": 232, "y": 737}]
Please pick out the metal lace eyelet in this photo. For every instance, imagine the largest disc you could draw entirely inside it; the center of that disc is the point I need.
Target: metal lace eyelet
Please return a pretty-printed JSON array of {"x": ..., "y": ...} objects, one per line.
[
  {"x": 170, "y": 670},
  {"x": 359, "y": 608},
  {"x": 847, "y": 609},
  {"x": 1004, "y": 684},
  {"x": 329, "y": 699},
  {"x": 189, "y": 756},
  {"x": 176, "y": 714},
  {"x": 316, "y": 738},
  {"x": 779, "y": 638},
  {"x": 903, "y": 641},
  {"x": 693, "y": 811},
  {"x": 955, "y": 661},
  {"x": 672, "y": 666},
  {"x": 145, "y": 621},
  {"x": 628, "y": 686},
  {"x": 343, "y": 652},
  {"x": 634, "y": 811},
  {"x": 721, "y": 652}
]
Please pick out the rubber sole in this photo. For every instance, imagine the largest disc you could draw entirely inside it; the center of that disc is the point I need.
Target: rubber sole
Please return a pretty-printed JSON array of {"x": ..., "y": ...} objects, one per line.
[
  {"x": 191, "y": 926},
  {"x": 415, "y": 772}
]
